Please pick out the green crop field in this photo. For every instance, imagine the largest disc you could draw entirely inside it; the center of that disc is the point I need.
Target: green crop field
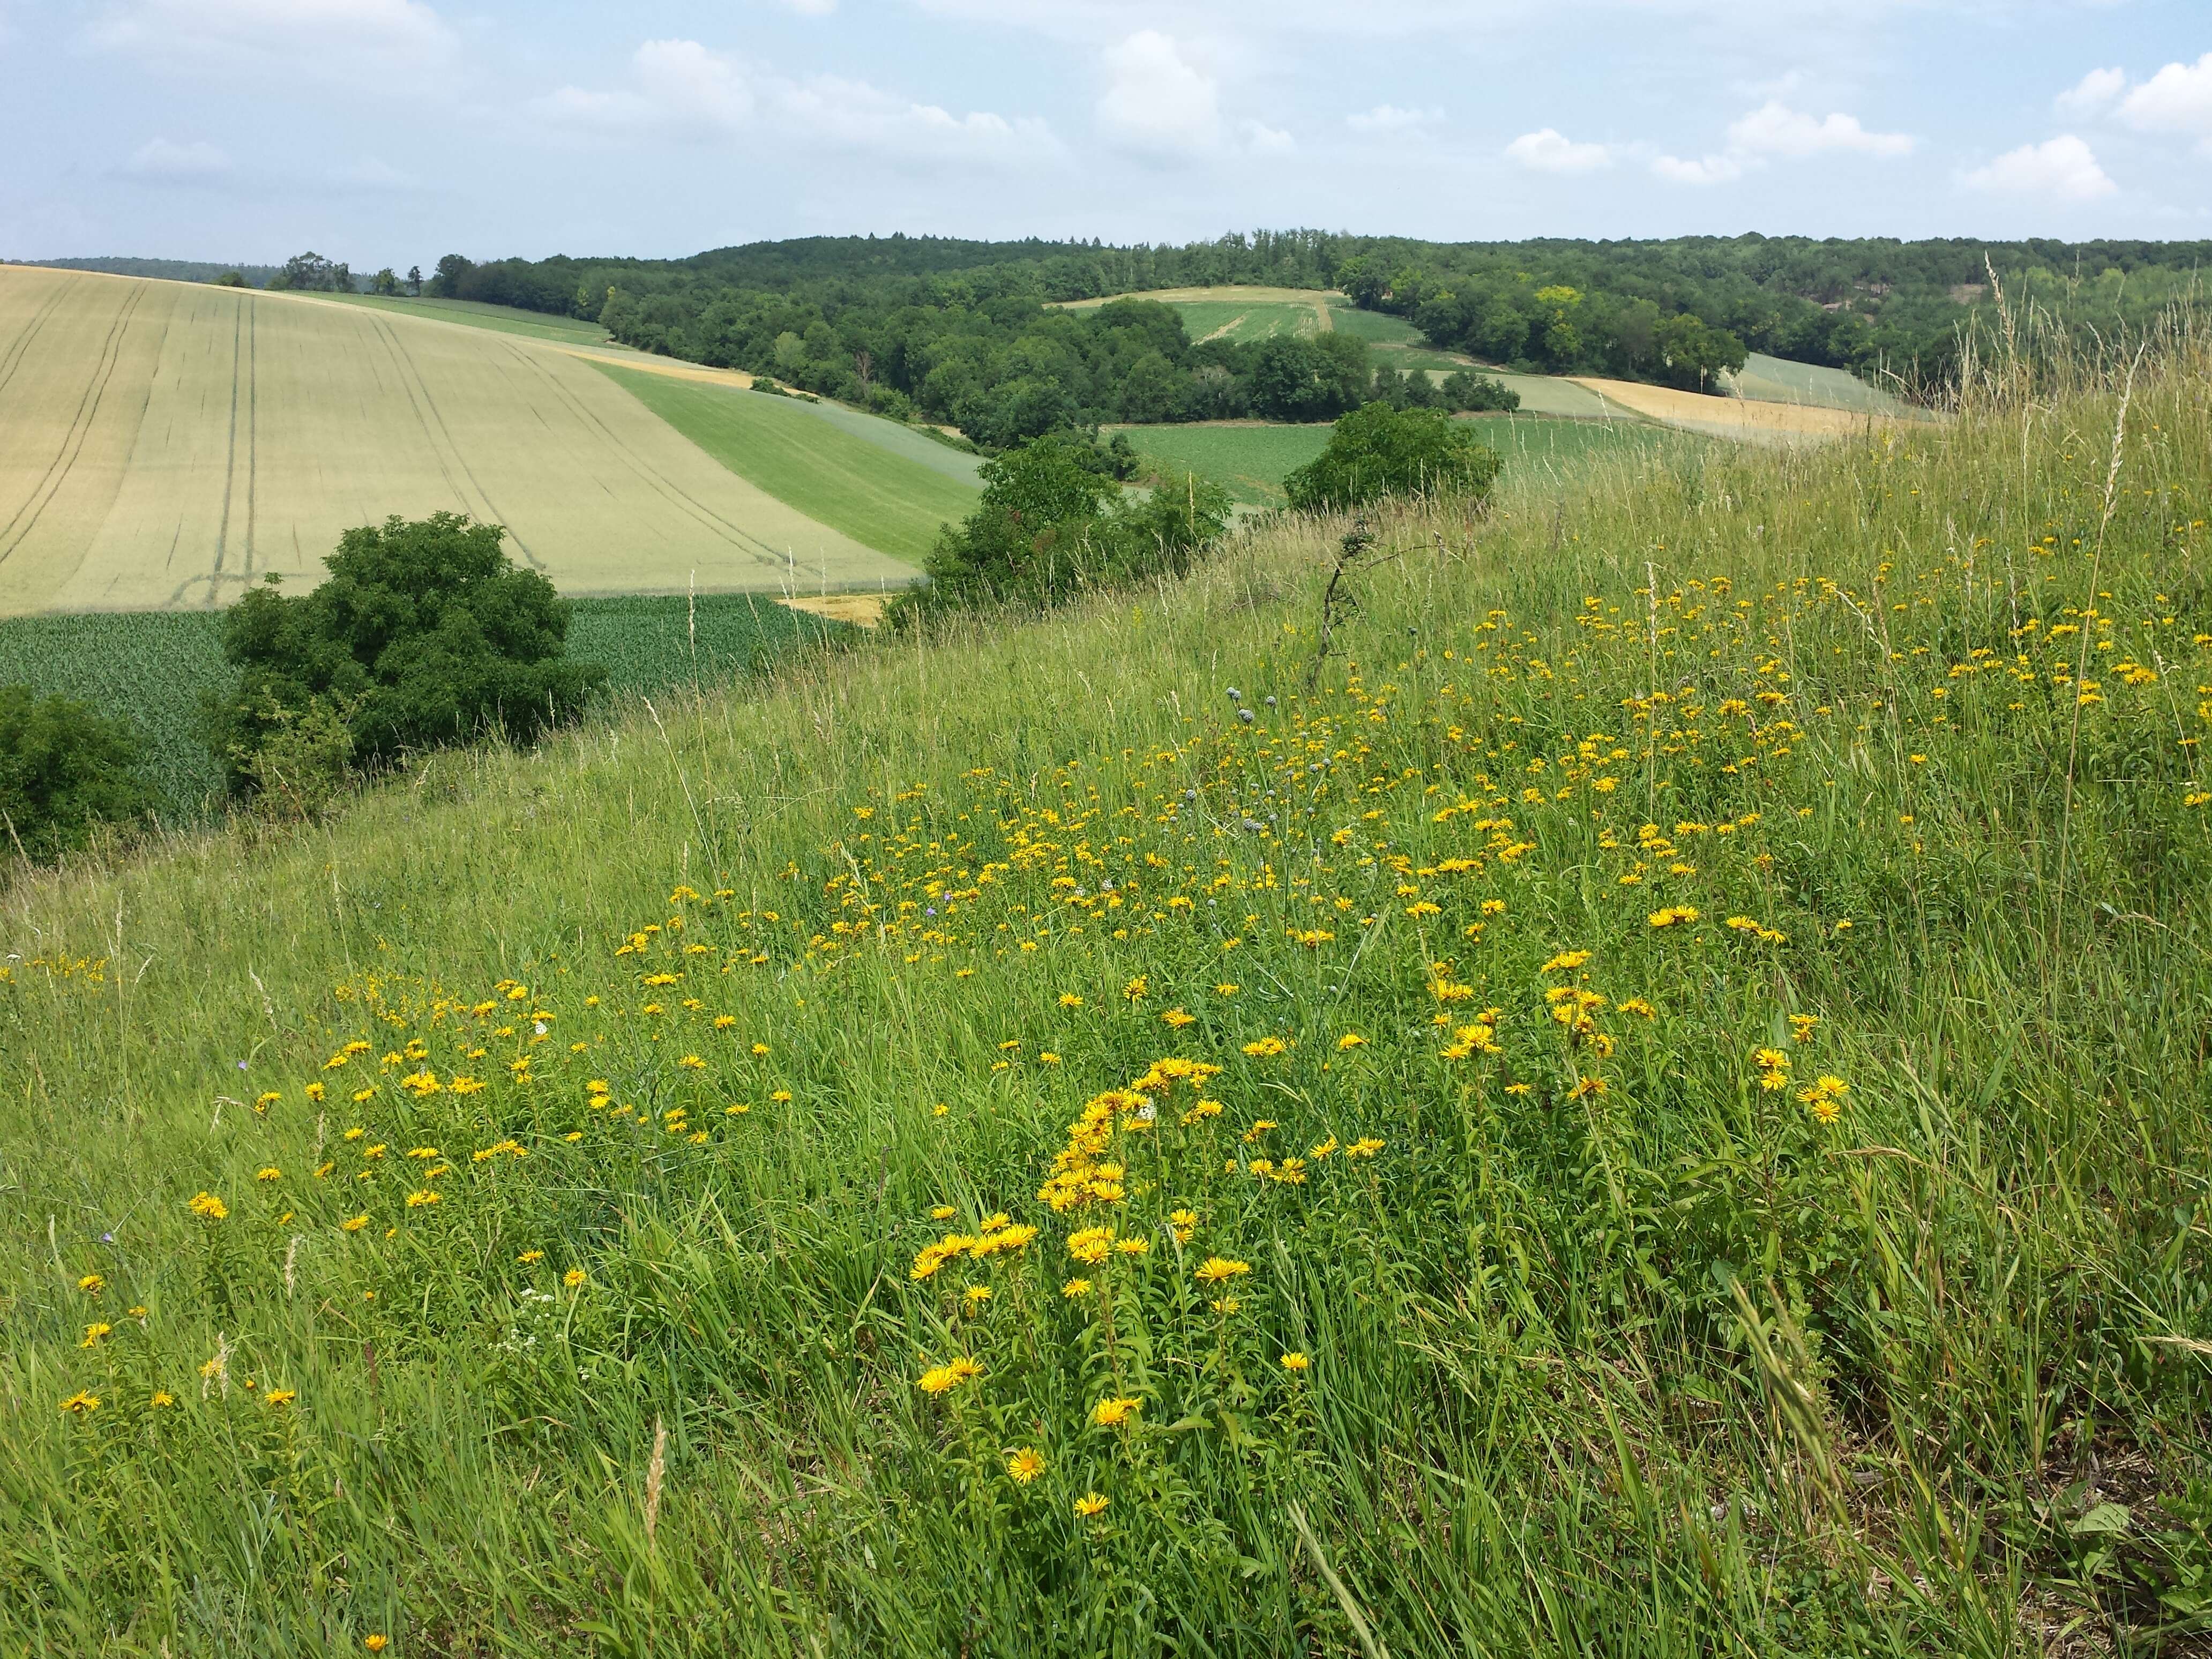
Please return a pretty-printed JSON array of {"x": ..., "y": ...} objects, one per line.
[
  {"x": 1238, "y": 312},
  {"x": 1247, "y": 459},
  {"x": 502, "y": 320},
  {"x": 1225, "y": 320},
  {"x": 1250, "y": 458},
  {"x": 150, "y": 668},
  {"x": 909, "y": 442},
  {"x": 1377, "y": 328},
  {"x": 866, "y": 488},
  {"x": 164, "y": 445},
  {"x": 154, "y": 669},
  {"x": 1625, "y": 1077}
]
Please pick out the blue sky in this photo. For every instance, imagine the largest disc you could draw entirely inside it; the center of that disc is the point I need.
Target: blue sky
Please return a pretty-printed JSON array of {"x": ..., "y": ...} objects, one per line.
[{"x": 390, "y": 132}]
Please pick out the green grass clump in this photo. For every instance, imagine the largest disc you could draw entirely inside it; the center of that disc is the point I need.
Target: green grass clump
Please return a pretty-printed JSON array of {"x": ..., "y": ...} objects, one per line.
[
  {"x": 890, "y": 502},
  {"x": 1687, "y": 1017}
]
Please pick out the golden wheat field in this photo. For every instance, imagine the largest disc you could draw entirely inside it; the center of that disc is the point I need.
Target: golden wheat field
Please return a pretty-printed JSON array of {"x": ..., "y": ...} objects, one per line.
[
  {"x": 165, "y": 446},
  {"x": 1738, "y": 418}
]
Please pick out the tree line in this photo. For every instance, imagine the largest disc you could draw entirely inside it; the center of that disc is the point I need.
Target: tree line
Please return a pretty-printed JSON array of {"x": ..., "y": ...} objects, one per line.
[{"x": 962, "y": 332}]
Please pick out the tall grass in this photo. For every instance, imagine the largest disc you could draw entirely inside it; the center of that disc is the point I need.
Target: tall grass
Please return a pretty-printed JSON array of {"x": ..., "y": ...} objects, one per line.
[{"x": 1626, "y": 1332}]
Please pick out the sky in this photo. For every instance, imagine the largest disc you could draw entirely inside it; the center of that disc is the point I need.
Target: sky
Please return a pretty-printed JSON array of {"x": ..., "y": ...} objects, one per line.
[{"x": 390, "y": 131}]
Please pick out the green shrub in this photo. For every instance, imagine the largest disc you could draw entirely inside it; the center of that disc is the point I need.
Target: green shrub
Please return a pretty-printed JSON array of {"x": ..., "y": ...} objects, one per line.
[
  {"x": 1052, "y": 522},
  {"x": 426, "y": 633},
  {"x": 1464, "y": 389},
  {"x": 63, "y": 768},
  {"x": 1379, "y": 451},
  {"x": 300, "y": 770}
]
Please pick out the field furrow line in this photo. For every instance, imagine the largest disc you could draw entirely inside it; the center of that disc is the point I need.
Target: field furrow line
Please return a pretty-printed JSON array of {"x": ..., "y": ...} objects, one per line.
[
  {"x": 18, "y": 528},
  {"x": 735, "y": 534},
  {"x": 230, "y": 448},
  {"x": 253, "y": 434},
  {"x": 446, "y": 437},
  {"x": 20, "y": 347}
]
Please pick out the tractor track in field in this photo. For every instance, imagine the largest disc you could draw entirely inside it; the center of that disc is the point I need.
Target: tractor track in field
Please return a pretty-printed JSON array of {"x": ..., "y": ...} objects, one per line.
[
  {"x": 737, "y": 535},
  {"x": 18, "y": 527},
  {"x": 245, "y": 391},
  {"x": 20, "y": 347},
  {"x": 441, "y": 439}
]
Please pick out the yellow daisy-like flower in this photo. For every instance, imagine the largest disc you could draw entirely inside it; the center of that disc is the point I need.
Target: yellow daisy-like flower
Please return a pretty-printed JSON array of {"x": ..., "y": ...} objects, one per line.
[
  {"x": 1088, "y": 1504},
  {"x": 356, "y": 1223},
  {"x": 1112, "y": 1413},
  {"x": 574, "y": 1278},
  {"x": 1296, "y": 1362},
  {"x": 81, "y": 1402},
  {"x": 1349, "y": 1039},
  {"x": 1025, "y": 1465},
  {"x": 1075, "y": 1287},
  {"x": 208, "y": 1206},
  {"x": 1216, "y": 1268}
]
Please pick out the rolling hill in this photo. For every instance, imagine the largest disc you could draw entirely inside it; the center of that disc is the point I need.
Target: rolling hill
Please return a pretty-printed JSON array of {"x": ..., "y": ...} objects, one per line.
[{"x": 165, "y": 446}]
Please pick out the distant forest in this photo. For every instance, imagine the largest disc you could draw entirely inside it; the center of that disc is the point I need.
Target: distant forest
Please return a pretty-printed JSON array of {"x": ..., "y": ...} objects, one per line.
[
  {"x": 962, "y": 332},
  {"x": 175, "y": 270},
  {"x": 959, "y": 331}
]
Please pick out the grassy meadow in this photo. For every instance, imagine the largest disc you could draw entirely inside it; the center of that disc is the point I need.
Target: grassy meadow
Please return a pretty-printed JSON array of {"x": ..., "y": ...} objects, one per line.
[
  {"x": 1776, "y": 379},
  {"x": 1637, "y": 1091},
  {"x": 166, "y": 444}
]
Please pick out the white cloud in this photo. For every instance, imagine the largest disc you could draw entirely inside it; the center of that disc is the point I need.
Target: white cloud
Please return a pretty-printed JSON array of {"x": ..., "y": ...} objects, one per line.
[
  {"x": 2093, "y": 94},
  {"x": 683, "y": 89},
  {"x": 1710, "y": 170},
  {"x": 812, "y": 8},
  {"x": 1549, "y": 150},
  {"x": 1388, "y": 118},
  {"x": 329, "y": 39},
  {"x": 2062, "y": 169},
  {"x": 1157, "y": 102},
  {"x": 1263, "y": 140},
  {"x": 858, "y": 116},
  {"x": 162, "y": 160},
  {"x": 688, "y": 86},
  {"x": 1775, "y": 129},
  {"x": 2177, "y": 99}
]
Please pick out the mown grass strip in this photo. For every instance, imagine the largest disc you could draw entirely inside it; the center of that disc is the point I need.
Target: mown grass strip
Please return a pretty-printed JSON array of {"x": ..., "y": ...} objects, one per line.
[{"x": 882, "y": 499}]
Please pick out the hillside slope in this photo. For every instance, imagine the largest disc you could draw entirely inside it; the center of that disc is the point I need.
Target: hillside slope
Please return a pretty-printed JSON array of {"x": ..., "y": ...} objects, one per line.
[
  {"x": 1648, "y": 1102},
  {"x": 163, "y": 445}
]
